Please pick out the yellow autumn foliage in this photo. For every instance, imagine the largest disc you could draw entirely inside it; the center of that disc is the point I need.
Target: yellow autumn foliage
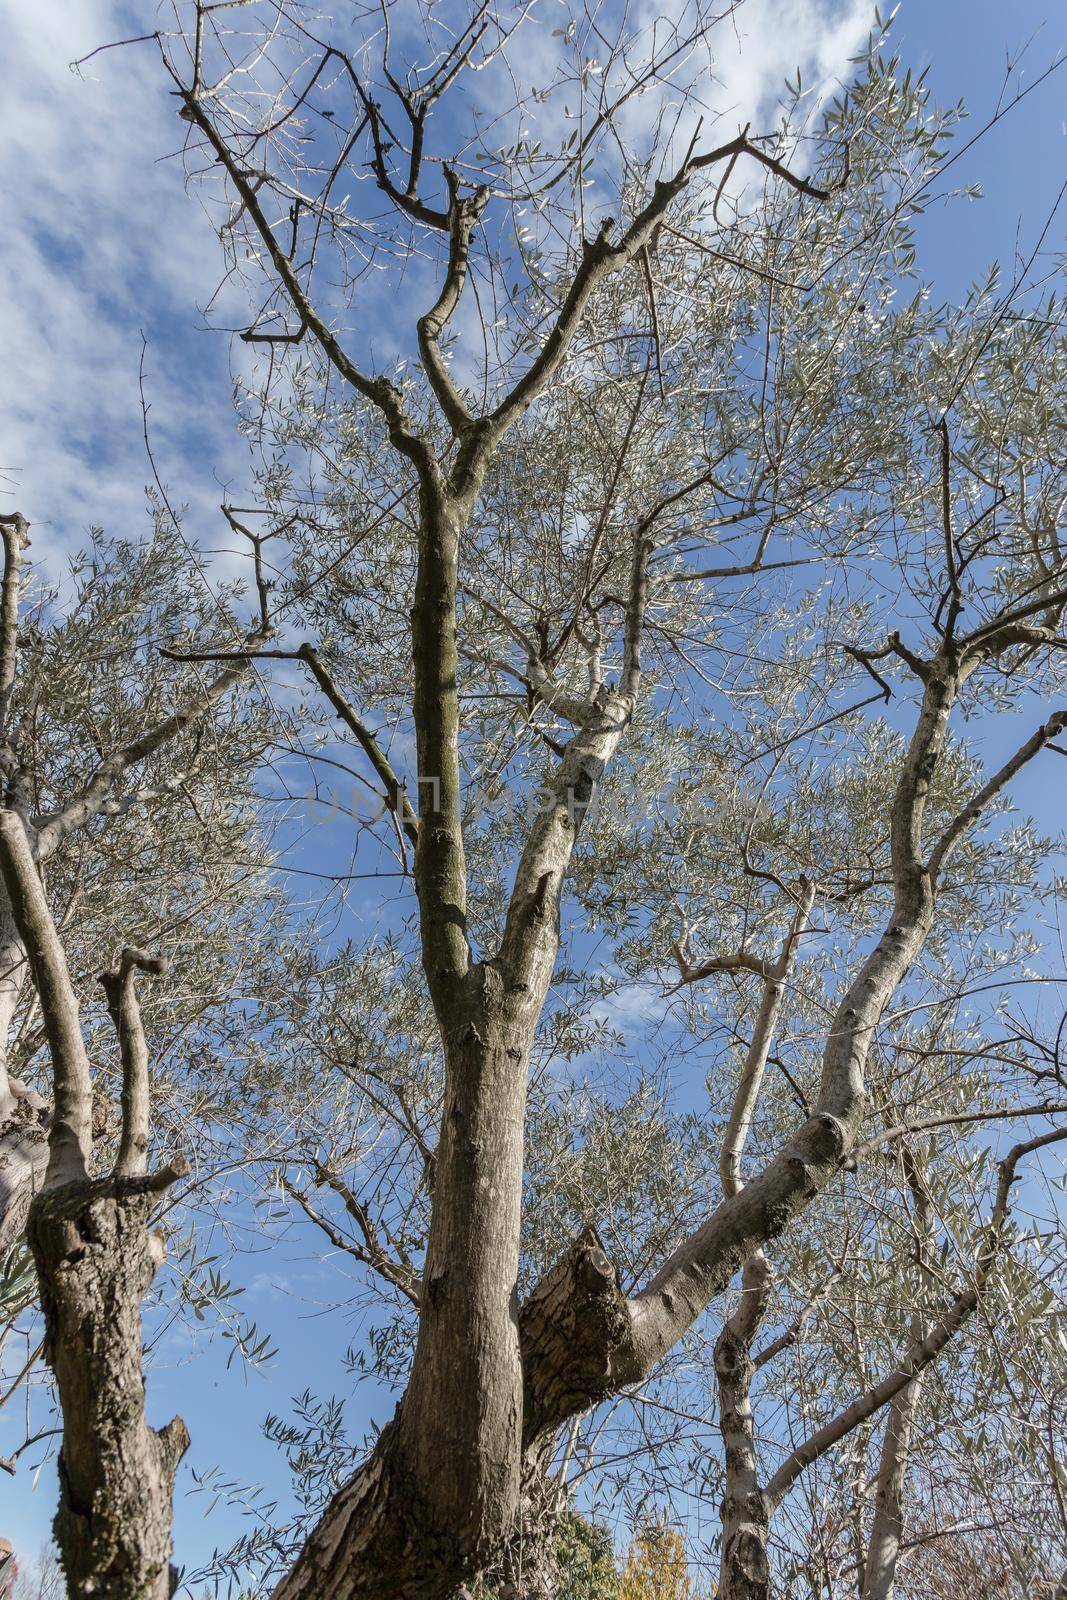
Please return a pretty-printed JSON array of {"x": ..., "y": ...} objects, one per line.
[{"x": 656, "y": 1567}]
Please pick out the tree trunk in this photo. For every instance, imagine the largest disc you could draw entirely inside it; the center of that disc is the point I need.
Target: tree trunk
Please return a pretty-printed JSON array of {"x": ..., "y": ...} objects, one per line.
[
  {"x": 95, "y": 1261},
  {"x": 887, "y": 1529},
  {"x": 380, "y": 1539},
  {"x": 528, "y": 1566},
  {"x": 744, "y": 1573},
  {"x": 436, "y": 1501},
  {"x": 464, "y": 1400},
  {"x": 401, "y": 1527}
]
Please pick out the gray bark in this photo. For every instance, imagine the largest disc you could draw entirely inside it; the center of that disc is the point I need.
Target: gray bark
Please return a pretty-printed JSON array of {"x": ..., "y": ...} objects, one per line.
[
  {"x": 887, "y": 1528},
  {"x": 441, "y": 1492},
  {"x": 23, "y": 1158},
  {"x": 528, "y": 1567},
  {"x": 95, "y": 1259},
  {"x": 403, "y": 1525},
  {"x": 25, "y": 1115},
  {"x": 744, "y": 1566},
  {"x": 744, "y": 1572}
]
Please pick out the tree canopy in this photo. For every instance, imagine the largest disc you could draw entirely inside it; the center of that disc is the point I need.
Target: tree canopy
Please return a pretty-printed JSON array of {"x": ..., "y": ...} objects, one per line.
[{"x": 670, "y": 1046}]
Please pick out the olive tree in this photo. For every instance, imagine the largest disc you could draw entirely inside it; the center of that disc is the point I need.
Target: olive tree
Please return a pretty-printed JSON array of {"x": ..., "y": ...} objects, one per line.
[
  {"x": 131, "y": 818},
  {"x": 673, "y": 474}
]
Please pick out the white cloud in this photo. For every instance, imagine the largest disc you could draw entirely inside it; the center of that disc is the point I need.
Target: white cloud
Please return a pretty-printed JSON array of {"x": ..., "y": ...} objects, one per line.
[
  {"x": 736, "y": 74},
  {"x": 629, "y": 1006},
  {"x": 768, "y": 40},
  {"x": 707, "y": 70},
  {"x": 100, "y": 241}
]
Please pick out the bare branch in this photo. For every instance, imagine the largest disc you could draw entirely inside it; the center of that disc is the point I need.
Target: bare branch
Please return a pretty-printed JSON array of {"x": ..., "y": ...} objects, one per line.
[
  {"x": 997, "y": 783},
  {"x": 70, "y": 1137},
  {"x": 905, "y": 1130},
  {"x": 396, "y": 794},
  {"x": 748, "y": 1088},
  {"x": 120, "y": 988},
  {"x": 600, "y": 258},
  {"x": 380, "y": 391},
  {"x": 951, "y": 564},
  {"x": 464, "y": 213},
  {"x": 370, "y": 1253},
  {"x": 922, "y": 1351},
  {"x": 15, "y": 531},
  {"x": 792, "y": 1333}
]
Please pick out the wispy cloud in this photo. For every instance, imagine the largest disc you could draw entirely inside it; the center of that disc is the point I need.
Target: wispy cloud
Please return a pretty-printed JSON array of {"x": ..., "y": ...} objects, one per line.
[
  {"x": 718, "y": 68},
  {"x": 100, "y": 241}
]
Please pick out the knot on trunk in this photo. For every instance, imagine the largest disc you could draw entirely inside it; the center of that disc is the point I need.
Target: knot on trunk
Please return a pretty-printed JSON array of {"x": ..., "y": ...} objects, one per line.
[
  {"x": 732, "y": 1358},
  {"x": 576, "y": 1338},
  {"x": 746, "y": 1569}
]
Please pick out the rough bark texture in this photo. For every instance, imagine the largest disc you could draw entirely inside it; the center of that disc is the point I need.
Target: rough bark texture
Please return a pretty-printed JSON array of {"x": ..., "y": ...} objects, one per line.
[
  {"x": 528, "y": 1566},
  {"x": 403, "y": 1526},
  {"x": 575, "y": 1338},
  {"x": 24, "y": 1125},
  {"x": 464, "y": 1400},
  {"x": 378, "y": 1539},
  {"x": 744, "y": 1571},
  {"x": 95, "y": 1260},
  {"x": 25, "y": 1116}
]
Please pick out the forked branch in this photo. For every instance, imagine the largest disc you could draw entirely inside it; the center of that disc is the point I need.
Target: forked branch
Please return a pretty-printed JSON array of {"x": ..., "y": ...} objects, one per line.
[{"x": 121, "y": 991}]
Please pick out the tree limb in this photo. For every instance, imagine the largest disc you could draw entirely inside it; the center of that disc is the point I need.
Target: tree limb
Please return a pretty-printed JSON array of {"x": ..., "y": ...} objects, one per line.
[
  {"x": 995, "y": 785},
  {"x": 464, "y": 213},
  {"x": 53, "y": 827},
  {"x": 396, "y": 794},
  {"x": 15, "y": 531},
  {"x": 120, "y": 988},
  {"x": 922, "y": 1351},
  {"x": 70, "y": 1136},
  {"x": 379, "y": 391}
]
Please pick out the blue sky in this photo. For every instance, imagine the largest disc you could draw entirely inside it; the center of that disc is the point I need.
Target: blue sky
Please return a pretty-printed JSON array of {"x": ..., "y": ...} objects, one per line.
[{"x": 101, "y": 242}]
